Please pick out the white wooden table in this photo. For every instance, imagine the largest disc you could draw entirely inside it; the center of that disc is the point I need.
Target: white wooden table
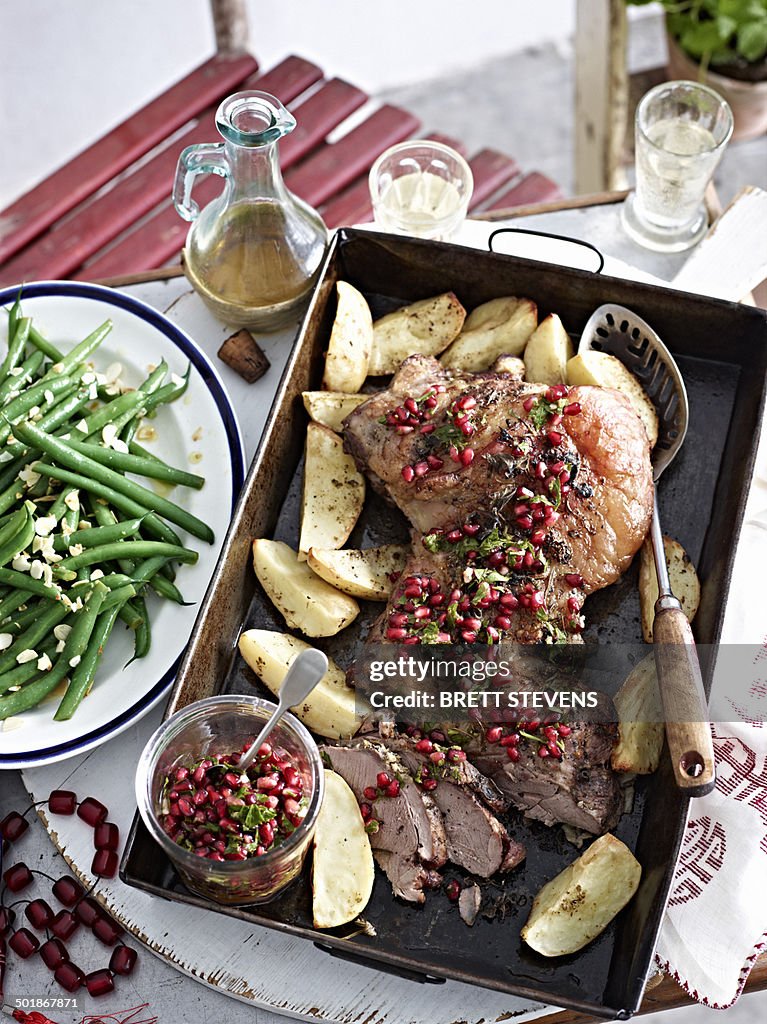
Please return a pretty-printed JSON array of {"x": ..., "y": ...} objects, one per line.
[{"x": 264, "y": 969}]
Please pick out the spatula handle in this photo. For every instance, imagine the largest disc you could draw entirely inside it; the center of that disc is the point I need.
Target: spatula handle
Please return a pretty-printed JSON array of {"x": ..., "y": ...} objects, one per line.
[{"x": 684, "y": 701}]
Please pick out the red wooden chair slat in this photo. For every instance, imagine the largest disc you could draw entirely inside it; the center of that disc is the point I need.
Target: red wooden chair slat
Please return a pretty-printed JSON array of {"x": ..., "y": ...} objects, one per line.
[
  {"x": 332, "y": 167},
  {"x": 70, "y": 242},
  {"x": 318, "y": 115},
  {"x": 162, "y": 235},
  {"x": 533, "y": 188},
  {"x": 491, "y": 171},
  {"x": 33, "y": 212}
]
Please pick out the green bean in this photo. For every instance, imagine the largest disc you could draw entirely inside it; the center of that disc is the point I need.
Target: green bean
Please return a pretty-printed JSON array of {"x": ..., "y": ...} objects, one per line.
[
  {"x": 138, "y": 548},
  {"x": 45, "y": 347},
  {"x": 11, "y": 472},
  {"x": 17, "y": 382},
  {"x": 23, "y": 673},
  {"x": 16, "y": 521},
  {"x": 118, "y": 596},
  {"x": 73, "y": 460},
  {"x": 114, "y": 580},
  {"x": 131, "y": 401},
  {"x": 168, "y": 392},
  {"x": 16, "y": 345},
  {"x": 74, "y": 647},
  {"x": 82, "y": 678},
  {"x": 98, "y": 535},
  {"x": 34, "y": 633},
  {"x": 140, "y": 465},
  {"x": 19, "y": 537},
  {"x": 12, "y": 494},
  {"x": 165, "y": 588},
  {"x": 131, "y": 615},
  {"x": 59, "y": 507},
  {"x": 14, "y": 313},
  {"x": 11, "y": 603},
  {"x": 152, "y": 522},
  {"x": 19, "y": 622},
  {"x": 23, "y": 581},
  {"x": 79, "y": 353},
  {"x": 28, "y": 400},
  {"x": 143, "y": 635}
]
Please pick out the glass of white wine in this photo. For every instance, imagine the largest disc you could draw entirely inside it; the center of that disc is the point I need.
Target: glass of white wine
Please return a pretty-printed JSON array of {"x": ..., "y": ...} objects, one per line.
[
  {"x": 421, "y": 188},
  {"x": 681, "y": 130}
]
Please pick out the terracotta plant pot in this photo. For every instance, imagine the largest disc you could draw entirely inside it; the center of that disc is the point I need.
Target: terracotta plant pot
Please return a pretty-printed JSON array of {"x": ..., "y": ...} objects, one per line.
[{"x": 747, "y": 99}]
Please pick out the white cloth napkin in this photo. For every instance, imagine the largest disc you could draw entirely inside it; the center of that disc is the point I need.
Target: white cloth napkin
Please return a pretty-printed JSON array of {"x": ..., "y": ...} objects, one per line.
[{"x": 716, "y": 922}]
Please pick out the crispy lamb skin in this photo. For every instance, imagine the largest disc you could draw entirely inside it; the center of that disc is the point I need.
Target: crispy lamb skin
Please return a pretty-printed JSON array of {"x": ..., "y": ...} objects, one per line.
[{"x": 602, "y": 496}]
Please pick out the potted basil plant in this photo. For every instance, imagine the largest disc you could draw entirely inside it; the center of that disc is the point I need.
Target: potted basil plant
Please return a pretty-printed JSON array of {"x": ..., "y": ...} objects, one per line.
[{"x": 724, "y": 44}]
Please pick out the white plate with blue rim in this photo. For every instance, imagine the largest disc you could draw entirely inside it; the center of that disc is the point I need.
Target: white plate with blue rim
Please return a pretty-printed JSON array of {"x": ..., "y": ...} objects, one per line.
[{"x": 198, "y": 431}]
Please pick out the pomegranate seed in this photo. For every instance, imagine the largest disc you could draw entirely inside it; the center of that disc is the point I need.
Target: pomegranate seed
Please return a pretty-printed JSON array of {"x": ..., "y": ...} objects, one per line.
[
  {"x": 69, "y": 976},
  {"x": 554, "y": 438},
  {"x": 62, "y": 801},
  {"x": 496, "y": 559},
  {"x": 106, "y": 836},
  {"x": 107, "y": 931},
  {"x": 453, "y": 891},
  {"x": 513, "y": 754},
  {"x": 574, "y": 579},
  {"x": 414, "y": 590},
  {"x": 468, "y": 636},
  {"x": 181, "y": 774},
  {"x": 436, "y": 600},
  {"x": 370, "y": 792},
  {"x": 525, "y": 522},
  {"x": 53, "y": 953},
  {"x": 266, "y": 833},
  {"x": 382, "y": 779},
  {"x": 199, "y": 774},
  {"x": 473, "y": 623},
  {"x": 99, "y": 983},
  {"x": 88, "y": 912},
  {"x": 408, "y": 474},
  {"x": 434, "y": 462},
  {"x": 502, "y": 622},
  {"x": 421, "y": 468},
  {"x": 511, "y": 740},
  {"x": 564, "y": 478},
  {"x": 123, "y": 960},
  {"x": 392, "y": 789},
  {"x": 564, "y": 730},
  {"x": 454, "y": 536},
  {"x": 397, "y": 619},
  {"x": 291, "y": 807},
  {"x": 105, "y": 863},
  {"x": 573, "y": 409},
  {"x": 537, "y": 600},
  {"x": 467, "y": 456},
  {"x": 541, "y": 470},
  {"x": 23, "y": 943},
  {"x": 538, "y": 514},
  {"x": 573, "y": 605},
  {"x": 529, "y": 403},
  {"x": 494, "y": 734},
  {"x": 543, "y": 751},
  {"x": 17, "y": 877},
  {"x": 454, "y": 454},
  {"x": 39, "y": 914},
  {"x": 366, "y": 811},
  {"x": 92, "y": 811},
  {"x": 427, "y": 428},
  {"x": 395, "y": 634},
  {"x": 410, "y": 405},
  {"x": 7, "y": 917},
  {"x": 430, "y": 402},
  {"x": 554, "y": 419},
  {"x": 455, "y": 754},
  {"x": 537, "y": 537},
  {"x": 429, "y": 785},
  {"x": 508, "y": 601},
  {"x": 424, "y": 746},
  {"x": 13, "y": 826}
]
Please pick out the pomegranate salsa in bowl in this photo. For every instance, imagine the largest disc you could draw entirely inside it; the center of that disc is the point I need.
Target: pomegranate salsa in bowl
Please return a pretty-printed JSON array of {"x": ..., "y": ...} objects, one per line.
[{"x": 235, "y": 837}]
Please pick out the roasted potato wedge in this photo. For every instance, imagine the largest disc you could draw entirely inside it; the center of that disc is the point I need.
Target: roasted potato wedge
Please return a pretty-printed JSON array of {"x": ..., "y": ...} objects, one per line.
[
  {"x": 682, "y": 576},
  {"x": 365, "y": 574},
  {"x": 330, "y": 408},
  {"x": 499, "y": 327},
  {"x": 576, "y": 906},
  {"x": 640, "y": 721},
  {"x": 342, "y": 870},
  {"x": 513, "y": 365},
  {"x": 351, "y": 341},
  {"x": 330, "y": 709},
  {"x": 334, "y": 492},
  {"x": 547, "y": 352},
  {"x": 602, "y": 370},
  {"x": 426, "y": 327},
  {"x": 305, "y": 601}
]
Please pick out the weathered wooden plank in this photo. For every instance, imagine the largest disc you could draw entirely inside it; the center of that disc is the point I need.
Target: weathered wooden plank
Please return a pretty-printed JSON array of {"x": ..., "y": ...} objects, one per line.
[
  {"x": 335, "y": 166},
  {"x": 532, "y": 188},
  {"x": 102, "y": 218},
  {"x": 37, "y": 209},
  {"x": 491, "y": 171},
  {"x": 317, "y": 116}
]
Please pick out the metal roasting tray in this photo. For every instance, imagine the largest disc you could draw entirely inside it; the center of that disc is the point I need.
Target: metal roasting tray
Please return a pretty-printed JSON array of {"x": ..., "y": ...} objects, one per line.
[{"x": 722, "y": 352}]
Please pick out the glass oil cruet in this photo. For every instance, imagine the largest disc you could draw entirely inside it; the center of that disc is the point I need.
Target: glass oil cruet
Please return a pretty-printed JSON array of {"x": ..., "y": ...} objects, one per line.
[{"x": 254, "y": 252}]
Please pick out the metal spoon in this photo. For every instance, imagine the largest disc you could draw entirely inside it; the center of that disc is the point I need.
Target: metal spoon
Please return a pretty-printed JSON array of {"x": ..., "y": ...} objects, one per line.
[
  {"x": 301, "y": 678},
  {"x": 621, "y": 333}
]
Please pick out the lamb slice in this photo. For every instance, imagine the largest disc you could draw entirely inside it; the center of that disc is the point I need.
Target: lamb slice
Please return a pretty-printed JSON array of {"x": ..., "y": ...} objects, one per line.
[
  {"x": 404, "y": 835},
  {"x": 469, "y": 903},
  {"x": 476, "y": 840}
]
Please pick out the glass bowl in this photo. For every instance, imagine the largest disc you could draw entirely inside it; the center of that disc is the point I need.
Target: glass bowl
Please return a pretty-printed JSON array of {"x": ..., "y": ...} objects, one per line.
[
  {"x": 421, "y": 188},
  {"x": 220, "y": 725}
]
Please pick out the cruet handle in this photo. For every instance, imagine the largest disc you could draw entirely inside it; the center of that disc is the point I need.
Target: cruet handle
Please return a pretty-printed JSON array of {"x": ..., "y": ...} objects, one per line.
[{"x": 206, "y": 158}]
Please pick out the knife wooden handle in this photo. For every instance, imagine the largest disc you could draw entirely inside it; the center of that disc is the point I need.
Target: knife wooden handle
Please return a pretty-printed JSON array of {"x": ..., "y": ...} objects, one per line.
[{"x": 685, "y": 708}]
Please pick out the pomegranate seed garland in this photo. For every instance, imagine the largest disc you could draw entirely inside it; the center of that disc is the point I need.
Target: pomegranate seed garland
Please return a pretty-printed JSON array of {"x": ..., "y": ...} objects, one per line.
[
  {"x": 78, "y": 908},
  {"x": 214, "y": 811}
]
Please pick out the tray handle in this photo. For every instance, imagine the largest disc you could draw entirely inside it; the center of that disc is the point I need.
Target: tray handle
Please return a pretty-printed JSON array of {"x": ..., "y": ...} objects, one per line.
[
  {"x": 549, "y": 234},
  {"x": 379, "y": 965}
]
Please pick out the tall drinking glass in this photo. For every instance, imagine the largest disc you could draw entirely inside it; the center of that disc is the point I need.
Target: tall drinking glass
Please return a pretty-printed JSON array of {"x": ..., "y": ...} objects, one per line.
[{"x": 681, "y": 130}]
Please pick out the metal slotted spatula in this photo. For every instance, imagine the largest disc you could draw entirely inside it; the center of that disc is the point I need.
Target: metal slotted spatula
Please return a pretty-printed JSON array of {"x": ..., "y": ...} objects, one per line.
[{"x": 621, "y": 333}]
